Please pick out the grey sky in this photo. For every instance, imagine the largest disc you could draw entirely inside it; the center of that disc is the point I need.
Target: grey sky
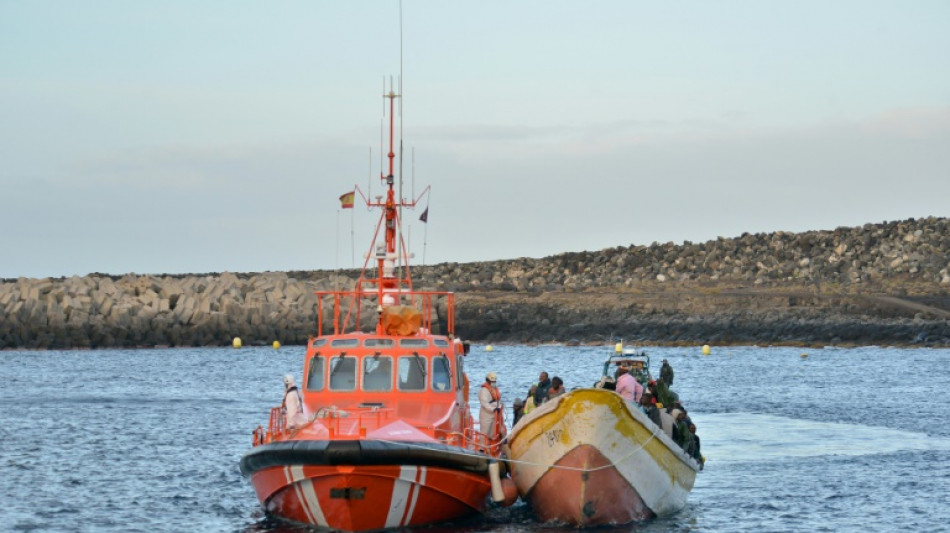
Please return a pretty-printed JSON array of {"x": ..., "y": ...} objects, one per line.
[{"x": 173, "y": 137}]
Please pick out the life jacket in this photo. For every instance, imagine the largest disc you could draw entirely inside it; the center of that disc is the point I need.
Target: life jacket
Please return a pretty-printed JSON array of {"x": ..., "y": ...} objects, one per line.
[
  {"x": 495, "y": 393},
  {"x": 499, "y": 421}
]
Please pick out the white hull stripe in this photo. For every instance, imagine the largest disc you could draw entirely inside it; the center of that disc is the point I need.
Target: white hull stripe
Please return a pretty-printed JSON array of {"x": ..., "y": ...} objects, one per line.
[
  {"x": 306, "y": 495},
  {"x": 404, "y": 496},
  {"x": 420, "y": 482}
]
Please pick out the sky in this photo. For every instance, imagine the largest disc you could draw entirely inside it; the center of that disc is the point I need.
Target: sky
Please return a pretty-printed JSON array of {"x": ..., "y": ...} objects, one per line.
[{"x": 209, "y": 136}]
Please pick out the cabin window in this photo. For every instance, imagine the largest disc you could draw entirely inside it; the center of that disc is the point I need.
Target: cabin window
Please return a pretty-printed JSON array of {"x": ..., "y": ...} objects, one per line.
[
  {"x": 378, "y": 373},
  {"x": 342, "y": 373},
  {"x": 315, "y": 373},
  {"x": 318, "y": 342},
  {"x": 413, "y": 343},
  {"x": 441, "y": 343},
  {"x": 412, "y": 372},
  {"x": 345, "y": 343},
  {"x": 379, "y": 343},
  {"x": 441, "y": 374}
]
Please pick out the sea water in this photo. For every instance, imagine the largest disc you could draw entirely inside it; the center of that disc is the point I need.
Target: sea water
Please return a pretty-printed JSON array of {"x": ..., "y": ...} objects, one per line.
[{"x": 795, "y": 439}]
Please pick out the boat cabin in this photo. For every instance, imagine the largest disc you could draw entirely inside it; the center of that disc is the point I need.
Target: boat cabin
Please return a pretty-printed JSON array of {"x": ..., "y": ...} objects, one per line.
[
  {"x": 417, "y": 379},
  {"x": 637, "y": 362}
]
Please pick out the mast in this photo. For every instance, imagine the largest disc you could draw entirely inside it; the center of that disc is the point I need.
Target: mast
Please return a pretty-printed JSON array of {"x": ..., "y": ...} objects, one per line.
[{"x": 386, "y": 263}]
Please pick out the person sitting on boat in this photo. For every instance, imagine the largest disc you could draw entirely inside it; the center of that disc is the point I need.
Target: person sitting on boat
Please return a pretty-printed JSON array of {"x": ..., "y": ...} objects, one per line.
[
  {"x": 651, "y": 388},
  {"x": 490, "y": 420},
  {"x": 679, "y": 405},
  {"x": 681, "y": 434},
  {"x": 541, "y": 389},
  {"x": 529, "y": 403},
  {"x": 648, "y": 406},
  {"x": 666, "y": 420},
  {"x": 666, "y": 373},
  {"x": 664, "y": 395},
  {"x": 557, "y": 388},
  {"x": 292, "y": 406},
  {"x": 628, "y": 386},
  {"x": 694, "y": 449},
  {"x": 517, "y": 408}
]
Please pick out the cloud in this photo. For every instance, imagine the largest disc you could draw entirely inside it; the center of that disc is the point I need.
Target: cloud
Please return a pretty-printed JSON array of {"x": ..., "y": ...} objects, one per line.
[{"x": 497, "y": 193}]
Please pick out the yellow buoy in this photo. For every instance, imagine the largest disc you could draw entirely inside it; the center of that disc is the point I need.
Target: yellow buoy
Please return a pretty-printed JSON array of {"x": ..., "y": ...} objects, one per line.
[
  {"x": 804, "y": 355},
  {"x": 276, "y": 345},
  {"x": 236, "y": 342},
  {"x": 706, "y": 349},
  {"x": 489, "y": 348},
  {"x": 618, "y": 347}
]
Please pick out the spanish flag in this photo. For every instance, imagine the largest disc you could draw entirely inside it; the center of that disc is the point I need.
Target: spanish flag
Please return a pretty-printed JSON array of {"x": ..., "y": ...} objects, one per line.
[{"x": 346, "y": 200}]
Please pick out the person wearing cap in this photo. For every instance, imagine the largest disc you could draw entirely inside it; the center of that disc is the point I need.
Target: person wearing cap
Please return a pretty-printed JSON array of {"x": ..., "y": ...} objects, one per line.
[
  {"x": 666, "y": 374},
  {"x": 490, "y": 415},
  {"x": 292, "y": 406}
]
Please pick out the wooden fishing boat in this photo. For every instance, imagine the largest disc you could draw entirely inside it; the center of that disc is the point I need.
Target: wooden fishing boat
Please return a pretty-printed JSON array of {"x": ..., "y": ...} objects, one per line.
[
  {"x": 387, "y": 438},
  {"x": 588, "y": 458}
]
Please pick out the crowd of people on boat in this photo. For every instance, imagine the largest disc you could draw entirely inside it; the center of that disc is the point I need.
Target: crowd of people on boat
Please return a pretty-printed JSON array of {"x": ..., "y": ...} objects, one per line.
[
  {"x": 655, "y": 398},
  {"x": 660, "y": 403},
  {"x": 545, "y": 389}
]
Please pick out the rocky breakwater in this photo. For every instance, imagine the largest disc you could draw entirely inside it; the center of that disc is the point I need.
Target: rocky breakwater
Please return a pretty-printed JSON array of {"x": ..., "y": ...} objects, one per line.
[
  {"x": 132, "y": 311},
  {"x": 881, "y": 283},
  {"x": 886, "y": 283}
]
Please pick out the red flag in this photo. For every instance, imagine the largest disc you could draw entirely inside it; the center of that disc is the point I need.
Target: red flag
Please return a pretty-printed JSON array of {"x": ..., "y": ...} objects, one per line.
[
  {"x": 425, "y": 216},
  {"x": 346, "y": 201}
]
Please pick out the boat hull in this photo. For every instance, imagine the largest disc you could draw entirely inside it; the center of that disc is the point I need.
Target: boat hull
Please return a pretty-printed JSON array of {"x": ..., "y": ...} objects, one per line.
[
  {"x": 587, "y": 459},
  {"x": 367, "y": 485}
]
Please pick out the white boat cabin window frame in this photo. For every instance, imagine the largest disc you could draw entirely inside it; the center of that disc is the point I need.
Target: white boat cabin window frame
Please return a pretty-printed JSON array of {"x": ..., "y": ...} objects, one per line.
[
  {"x": 345, "y": 374},
  {"x": 377, "y": 373},
  {"x": 319, "y": 374},
  {"x": 375, "y": 342},
  {"x": 344, "y": 343},
  {"x": 408, "y": 367},
  {"x": 413, "y": 343},
  {"x": 437, "y": 362}
]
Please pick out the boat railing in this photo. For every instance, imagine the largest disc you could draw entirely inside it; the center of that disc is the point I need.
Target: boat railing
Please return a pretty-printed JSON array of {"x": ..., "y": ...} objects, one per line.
[
  {"x": 356, "y": 422},
  {"x": 275, "y": 426},
  {"x": 470, "y": 440},
  {"x": 347, "y": 308}
]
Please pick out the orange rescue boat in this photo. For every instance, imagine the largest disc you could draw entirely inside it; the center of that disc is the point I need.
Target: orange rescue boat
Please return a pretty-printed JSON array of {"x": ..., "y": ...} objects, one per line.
[{"x": 387, "y": 438}]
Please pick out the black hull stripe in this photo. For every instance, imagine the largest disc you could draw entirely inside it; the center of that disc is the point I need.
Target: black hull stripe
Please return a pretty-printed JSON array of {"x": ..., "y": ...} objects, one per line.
[{"x": 362, "y": 452}]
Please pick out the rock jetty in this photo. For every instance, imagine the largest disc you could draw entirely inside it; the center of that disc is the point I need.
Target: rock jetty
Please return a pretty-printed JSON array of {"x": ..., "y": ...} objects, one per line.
[{"x": 886, "y": 283}]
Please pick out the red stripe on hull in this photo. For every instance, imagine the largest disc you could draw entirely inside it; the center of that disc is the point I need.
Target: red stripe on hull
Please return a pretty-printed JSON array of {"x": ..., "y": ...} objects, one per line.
[
  {"x": 595, "y": 496},
  {"x": 366, "y": 498}
]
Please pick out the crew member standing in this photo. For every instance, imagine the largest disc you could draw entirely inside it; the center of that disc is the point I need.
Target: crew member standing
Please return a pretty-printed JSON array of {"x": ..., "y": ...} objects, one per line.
[
  {"x": 292, "y": 404},
  {"x": 490, "y": 420},
  {"x": 666, "y": 374}
]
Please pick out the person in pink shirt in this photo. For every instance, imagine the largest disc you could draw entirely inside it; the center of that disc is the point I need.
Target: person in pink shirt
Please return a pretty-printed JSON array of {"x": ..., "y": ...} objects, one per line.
[{"x": 628, "y": 386}]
